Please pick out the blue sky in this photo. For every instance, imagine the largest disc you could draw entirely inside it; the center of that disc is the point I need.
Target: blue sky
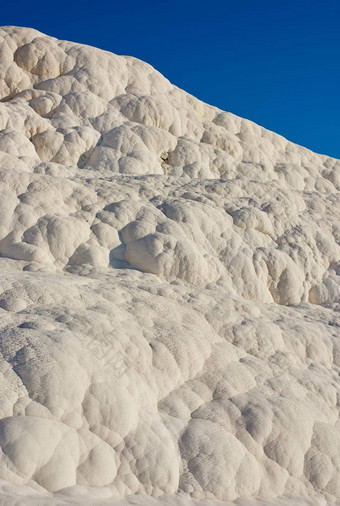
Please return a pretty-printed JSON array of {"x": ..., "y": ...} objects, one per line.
[{"x": 275, "y": 62}]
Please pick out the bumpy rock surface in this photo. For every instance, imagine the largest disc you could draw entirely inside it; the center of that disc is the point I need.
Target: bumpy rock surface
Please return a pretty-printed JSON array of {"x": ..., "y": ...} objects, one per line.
[{"x": 169, "y": 288}]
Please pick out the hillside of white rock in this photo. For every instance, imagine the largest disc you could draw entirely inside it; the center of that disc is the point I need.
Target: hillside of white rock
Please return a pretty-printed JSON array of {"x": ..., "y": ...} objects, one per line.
[{"x": 169, "y": 291}]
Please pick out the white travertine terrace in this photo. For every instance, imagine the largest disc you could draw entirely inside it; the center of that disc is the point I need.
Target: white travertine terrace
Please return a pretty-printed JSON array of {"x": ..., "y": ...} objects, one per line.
[{"x": 169, "y": 290}]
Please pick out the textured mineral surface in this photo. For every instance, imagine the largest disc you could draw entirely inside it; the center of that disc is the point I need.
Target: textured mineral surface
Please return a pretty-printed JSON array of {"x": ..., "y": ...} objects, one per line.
[{"x": 169, "y": 292}]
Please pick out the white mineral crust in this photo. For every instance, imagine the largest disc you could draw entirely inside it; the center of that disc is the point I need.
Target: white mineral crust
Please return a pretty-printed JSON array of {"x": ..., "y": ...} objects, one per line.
[{"x": 169, "y": 292}]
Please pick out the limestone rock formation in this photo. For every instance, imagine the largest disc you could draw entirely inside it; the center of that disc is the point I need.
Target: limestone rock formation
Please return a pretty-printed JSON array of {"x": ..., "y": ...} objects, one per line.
[{"x": 169, "y": 290}]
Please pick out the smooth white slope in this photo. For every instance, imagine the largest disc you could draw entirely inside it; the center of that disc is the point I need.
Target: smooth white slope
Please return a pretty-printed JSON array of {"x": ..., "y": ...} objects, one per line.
[{"x": 169, "y": 287}]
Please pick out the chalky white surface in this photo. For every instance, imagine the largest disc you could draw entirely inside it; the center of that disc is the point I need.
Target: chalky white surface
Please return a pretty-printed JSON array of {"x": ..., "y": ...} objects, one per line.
[{"x": 169, "y": 292}]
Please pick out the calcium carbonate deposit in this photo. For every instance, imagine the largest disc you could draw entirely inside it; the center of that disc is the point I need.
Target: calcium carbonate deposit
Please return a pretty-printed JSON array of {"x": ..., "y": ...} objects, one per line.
[{"x": 169, "y": 292}]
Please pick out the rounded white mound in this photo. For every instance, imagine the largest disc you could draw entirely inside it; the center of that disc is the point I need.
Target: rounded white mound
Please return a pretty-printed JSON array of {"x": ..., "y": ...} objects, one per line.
[{"x": 169, "y": 289}]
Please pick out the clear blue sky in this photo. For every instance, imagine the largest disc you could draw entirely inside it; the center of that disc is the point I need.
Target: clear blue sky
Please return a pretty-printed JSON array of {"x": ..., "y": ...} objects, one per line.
[{"x": 276, "y": 62}]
